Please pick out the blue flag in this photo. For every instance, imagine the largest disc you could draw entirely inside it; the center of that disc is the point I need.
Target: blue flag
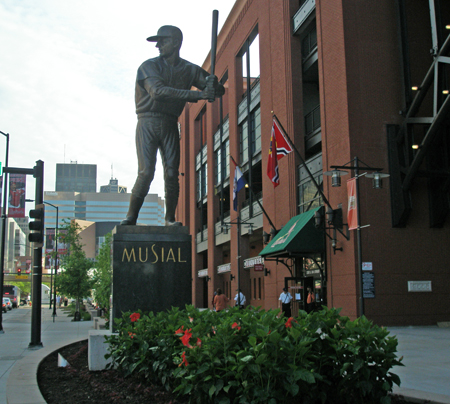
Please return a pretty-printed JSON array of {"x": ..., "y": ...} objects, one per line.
[{"x": 239, "y": 183}]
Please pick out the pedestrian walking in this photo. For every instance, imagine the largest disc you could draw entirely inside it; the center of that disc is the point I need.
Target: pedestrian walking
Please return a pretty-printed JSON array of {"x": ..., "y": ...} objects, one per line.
[
  {"x": 310, "y": 300},
  {"x": 285, "y": 299},
  {"x": 220, "y": 301},
  {"x": 239, "y": 299}
]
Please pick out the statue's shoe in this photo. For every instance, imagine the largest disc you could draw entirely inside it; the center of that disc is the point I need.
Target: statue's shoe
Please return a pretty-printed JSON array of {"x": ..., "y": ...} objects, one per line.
[
  {"x": 129, "y": 221},
  {"x": 169, "y": 223}
]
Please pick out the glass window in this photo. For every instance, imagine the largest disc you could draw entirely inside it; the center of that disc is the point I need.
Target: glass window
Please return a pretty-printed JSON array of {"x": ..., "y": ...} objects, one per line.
[
  {"x": 244, "y": 141},
  {"x": 309, "y": 196}
]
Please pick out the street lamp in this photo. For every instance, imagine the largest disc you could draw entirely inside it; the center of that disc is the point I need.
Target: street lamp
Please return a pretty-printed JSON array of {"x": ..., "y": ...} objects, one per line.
[
  {"x": 2, "y": 247},
  {"x": 56, "y": 262},
  {"x": 377, "y": 176}
]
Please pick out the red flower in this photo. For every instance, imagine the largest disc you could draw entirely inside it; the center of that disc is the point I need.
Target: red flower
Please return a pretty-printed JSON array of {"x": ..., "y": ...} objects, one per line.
[
  {"x": 186, "y": 337},
  {"x": 199, "y": 342},
  {"x": 131, "y": 334},
  {"x": 235, "y": 325},
  {"x": 180, "y": 330},
  {"x": 183, "y": 356},
  {"x": 289, "y": 322},
  {"x": 135, "y": 317}
]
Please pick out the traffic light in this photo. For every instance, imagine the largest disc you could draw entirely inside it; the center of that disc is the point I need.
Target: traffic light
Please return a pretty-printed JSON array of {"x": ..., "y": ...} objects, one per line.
[
  {"x": 37, "y": 226},
  {"x": 19, "y": 271}
]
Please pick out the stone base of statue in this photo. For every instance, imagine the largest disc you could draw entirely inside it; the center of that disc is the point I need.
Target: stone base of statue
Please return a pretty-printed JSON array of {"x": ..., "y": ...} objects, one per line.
[{"x": 151, "y": 268}]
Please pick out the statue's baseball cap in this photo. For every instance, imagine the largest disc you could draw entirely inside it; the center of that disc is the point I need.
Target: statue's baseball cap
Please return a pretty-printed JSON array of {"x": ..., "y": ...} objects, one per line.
[{"x": 167, "y": 31}]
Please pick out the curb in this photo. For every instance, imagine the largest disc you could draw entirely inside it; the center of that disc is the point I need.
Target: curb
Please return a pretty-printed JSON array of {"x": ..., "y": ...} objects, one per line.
[
  {"x": 416, "y": 396},
  {"x": 22, "y": 385}
]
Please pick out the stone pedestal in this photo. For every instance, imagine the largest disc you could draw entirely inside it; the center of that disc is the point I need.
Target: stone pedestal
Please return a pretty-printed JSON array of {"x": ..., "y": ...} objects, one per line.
[{"x": 151, "y": 268}]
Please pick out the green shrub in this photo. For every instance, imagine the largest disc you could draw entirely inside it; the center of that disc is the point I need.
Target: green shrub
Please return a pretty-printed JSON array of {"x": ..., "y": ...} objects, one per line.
[{"x": 256, "y": 356}]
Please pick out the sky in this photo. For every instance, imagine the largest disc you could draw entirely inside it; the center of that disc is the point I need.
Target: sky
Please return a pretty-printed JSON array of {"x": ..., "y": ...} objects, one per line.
[{"x": 67, "y": 77}]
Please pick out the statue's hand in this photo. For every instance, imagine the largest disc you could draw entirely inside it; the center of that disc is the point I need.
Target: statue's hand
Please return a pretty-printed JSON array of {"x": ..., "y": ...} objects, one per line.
[{"x": 210, "y": 89}]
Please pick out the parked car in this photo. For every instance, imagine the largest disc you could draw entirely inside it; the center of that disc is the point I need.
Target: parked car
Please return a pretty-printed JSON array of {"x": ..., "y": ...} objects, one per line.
[
  {"x": 4, "y": 309},
  {"x": 8, "y": 303}
]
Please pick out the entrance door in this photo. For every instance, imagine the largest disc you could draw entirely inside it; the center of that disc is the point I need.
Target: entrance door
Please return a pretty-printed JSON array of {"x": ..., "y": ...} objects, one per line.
[{"x": 297, "y": 288}]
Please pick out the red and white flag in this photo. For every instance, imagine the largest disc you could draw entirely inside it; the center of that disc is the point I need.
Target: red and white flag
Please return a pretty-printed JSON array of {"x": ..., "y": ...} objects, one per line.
[
  {"x": 279, "y": 147},
  {"x": 352, "y": 213}
]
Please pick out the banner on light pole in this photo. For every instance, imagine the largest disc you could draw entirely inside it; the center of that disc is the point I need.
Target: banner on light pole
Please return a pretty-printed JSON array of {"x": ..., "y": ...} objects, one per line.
[{"x": 352, "y": 213}]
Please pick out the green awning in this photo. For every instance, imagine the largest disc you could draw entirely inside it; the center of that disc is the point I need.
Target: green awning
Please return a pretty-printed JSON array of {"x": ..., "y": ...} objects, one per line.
[{"x": 298, "y": 236}]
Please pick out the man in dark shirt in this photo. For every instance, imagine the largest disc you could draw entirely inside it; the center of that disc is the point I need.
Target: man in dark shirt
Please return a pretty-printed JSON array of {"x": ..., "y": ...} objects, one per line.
[{"x": 163, "y": 86}]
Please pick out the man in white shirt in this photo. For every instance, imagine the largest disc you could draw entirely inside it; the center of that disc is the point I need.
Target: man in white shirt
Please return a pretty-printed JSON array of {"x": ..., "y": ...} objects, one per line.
[
  {"x": 239, "y": 299},
  {"x": 285, "y": 299}
]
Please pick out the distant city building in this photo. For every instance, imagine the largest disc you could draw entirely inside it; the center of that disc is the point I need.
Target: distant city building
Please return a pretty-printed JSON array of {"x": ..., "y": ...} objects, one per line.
[
  {"x": 23, "y": 223},
  {"x": 113, "y": 187},
  {"x": 100, "y": 207},
  {"x": 93, "y": 235},
  {"x": 76, "y": 177},
  {"x": 16, "y": 244}
]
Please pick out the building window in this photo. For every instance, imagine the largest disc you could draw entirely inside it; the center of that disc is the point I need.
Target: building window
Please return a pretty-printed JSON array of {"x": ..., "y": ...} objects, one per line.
[
  {"x": 222, "y": 153},
  {"x": 309, "y": 196},
  {"x": 250, "y": 61},
  {"x": 251, "y": 139},
  {"x": 201, "y": 160},
  {"x": 309, "y": 42}
]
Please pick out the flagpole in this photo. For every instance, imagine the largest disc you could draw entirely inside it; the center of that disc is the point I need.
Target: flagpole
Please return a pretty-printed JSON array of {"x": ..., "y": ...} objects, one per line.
[
  {"x": 239, "y": 257},
  {"x": 304, "y": 163},
  {"x": 257, "y": 199}
]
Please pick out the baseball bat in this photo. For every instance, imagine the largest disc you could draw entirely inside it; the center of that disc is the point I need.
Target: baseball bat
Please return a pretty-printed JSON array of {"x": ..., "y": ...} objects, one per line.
[{"x": 215, "y": 21}]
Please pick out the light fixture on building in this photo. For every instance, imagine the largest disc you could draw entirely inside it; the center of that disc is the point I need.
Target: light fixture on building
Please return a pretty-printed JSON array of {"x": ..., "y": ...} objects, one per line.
[
  {"x": 266, "y": 237},
  {"x": 232, "y": 277},
  {"x": 330, "y": 215},
  {"x": 377, "y": 179},
  {"x": 250, "y": 230},
  {"x": 334, "y": 244},
  {"x": 414, "y": 88},
  {"x": 317, "y": 219},
  {"x": 335, "y": 175},
  {"x": 445, "y": 92},
  {"x": 273, "y": 232},
  {"x": 225, "y": 229},
  {"x": 415, "y": 146}
]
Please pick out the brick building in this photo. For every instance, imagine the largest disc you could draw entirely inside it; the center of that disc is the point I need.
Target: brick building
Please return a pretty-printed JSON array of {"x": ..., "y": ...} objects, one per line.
[{"x": 339, "y": 76}]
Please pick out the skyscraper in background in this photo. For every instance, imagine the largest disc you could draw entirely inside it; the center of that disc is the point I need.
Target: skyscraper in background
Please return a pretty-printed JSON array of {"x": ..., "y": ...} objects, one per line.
[
  {"x": 113, "y": 187},
  {"x": 76, "y": 177}
]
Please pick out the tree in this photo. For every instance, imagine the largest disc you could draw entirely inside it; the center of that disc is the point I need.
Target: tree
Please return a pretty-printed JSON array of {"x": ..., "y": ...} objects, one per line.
[
  {"x": 103, "y": 274},
  {"x": 73, "y": 280}
]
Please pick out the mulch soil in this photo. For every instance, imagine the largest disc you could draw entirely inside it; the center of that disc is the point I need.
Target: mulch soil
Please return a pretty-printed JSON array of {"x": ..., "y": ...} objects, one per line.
[{"x": 75, "y": 384}]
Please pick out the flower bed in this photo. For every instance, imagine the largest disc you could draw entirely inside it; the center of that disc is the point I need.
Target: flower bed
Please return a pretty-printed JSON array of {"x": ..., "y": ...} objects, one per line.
[{"x": 255, "y": 356}]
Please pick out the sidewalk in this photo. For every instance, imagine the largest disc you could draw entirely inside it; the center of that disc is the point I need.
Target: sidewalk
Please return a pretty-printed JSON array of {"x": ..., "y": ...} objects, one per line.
[
  {"x": 426, "y": 352},
  {"x": 17, "y": 327},
  {"x": 426, "y": 356}
]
